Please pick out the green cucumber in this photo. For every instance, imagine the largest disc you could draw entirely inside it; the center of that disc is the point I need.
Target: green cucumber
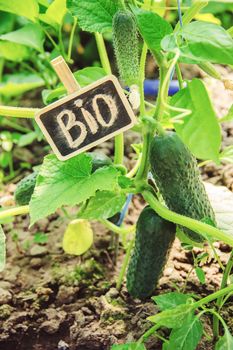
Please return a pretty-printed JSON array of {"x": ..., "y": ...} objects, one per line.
[
  {"x": 99, "y": 160},
  {"x": 154, "y": 238},
  {"x": 125, "y": 42},
  {"x": 25, "y": 188},
  {"x": 177, "y": 177}
]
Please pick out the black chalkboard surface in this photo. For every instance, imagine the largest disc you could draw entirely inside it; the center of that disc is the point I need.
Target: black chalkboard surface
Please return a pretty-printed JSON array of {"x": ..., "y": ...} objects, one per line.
[{"x": 86, "y": 118}]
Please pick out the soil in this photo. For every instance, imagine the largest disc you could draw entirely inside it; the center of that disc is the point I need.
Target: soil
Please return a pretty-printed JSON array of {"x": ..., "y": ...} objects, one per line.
[{"x": 50, "y": 300}]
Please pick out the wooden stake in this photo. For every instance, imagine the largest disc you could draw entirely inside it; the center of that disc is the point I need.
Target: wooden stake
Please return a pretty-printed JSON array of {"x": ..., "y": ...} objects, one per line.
[{"x": 65, "y": 75}]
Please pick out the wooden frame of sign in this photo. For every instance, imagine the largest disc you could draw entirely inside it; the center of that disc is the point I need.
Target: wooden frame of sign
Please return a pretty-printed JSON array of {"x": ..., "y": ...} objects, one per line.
[{"x": 85, "y": 118}]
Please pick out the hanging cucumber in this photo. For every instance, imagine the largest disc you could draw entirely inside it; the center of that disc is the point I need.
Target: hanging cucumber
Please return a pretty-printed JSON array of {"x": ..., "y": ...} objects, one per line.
[
  {"x": 177, "y": 176},
  {"x": 125, "y": 42},
  {"x": 154, "y": 237},
  {"x": 25, "y": 188}
]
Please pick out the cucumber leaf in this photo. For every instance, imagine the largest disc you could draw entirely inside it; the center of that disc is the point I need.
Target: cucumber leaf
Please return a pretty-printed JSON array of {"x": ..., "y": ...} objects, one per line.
[
  {"x": 187, "y": 336},
  {"x": 94, "y": 15},
  {"x": 153, "y": 28},
  {"x": 201, "y": 41},
  {"x": 200, "y": 130},
  {"x": 103, "y": 205},
  {"x": 170, "y": 300},
  {"x": 221, "y": 200},
  {"x": 55, "y": 13},
  {"x": 30, "y": 35},
  {"x": 13, "y": 52},
  {"x": 225, "y": 342},
  {"x": 17, "y": 84},
  {"x": 67, "y": 183},
  {"x": 172, "y": 318},
  {"x": 25, "y": 8},
  {"x": 2, "y": 249},
  {"x": 78, "y": 237}
]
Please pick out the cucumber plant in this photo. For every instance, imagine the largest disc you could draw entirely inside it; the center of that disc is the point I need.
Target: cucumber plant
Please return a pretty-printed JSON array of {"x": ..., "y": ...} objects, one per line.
[{"x": 166, "y": 174}]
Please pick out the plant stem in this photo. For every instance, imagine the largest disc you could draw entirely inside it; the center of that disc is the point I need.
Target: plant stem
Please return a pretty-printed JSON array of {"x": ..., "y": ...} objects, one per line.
[
  {"x": 144, "y": 165},
  {"x": 61, "y": 46},
  {"x": 225, "y": 276},
  {"x": 119, "y": 139},
  {"x": 142, "y": 78},
  {"x": 124, "y": 265},
  {"x": 149, "y": 333},
  {"x": 14, "y": 211},
  {"x": 179, "y": 76},
  {"x": 190, "y": 223},
  {"x": 18, "y": 112},
  {"x": 119, "y": 230},
  {"x": 212, "y": 297},
  {"x": 162, "y": 91},
  {"x": 134, "y": 170},
  {"x": 71, "y": 39}
]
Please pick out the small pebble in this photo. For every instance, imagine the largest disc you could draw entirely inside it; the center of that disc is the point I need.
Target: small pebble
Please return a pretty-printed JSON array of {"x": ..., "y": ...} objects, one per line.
[{"x": 62, "y": 345}]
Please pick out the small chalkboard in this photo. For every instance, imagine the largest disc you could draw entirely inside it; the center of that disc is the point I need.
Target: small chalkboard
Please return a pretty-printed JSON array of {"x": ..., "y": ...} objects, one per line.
[{"x": 86, "y": 118}]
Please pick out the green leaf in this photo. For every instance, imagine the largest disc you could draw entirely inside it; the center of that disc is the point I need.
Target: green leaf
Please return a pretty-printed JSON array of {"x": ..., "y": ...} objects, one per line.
[
  {"x": 171, "y": 300},
  {"x": 67, "y": 183},
  {"x": 221, "y": 200},
  {"x": 83, "y": 76},
  {"x": 13, "y": 52},
  {"x": 25, "y": 8},
  {"x": 225, "y": 342},
  {"x": 227, "y": 155},
  {"x": 201, "y": 41},
  {"x": 6, "y": 22},
  {"x": 200, "y": 275},
  {"x": 229, "y": 115},
  {"x": 30, "y": 35},
  {"x": 55, "y": 13},
  {"x": 78, "y": 237},
  {"x": 27, "y": 139},
  {"x": 2, "y": 249},
  {"x": 94, "y": 15},
  {"x": 40, "y": 238},
  {"x": 172, "y": 318},
  {"x": 17, "y": 84},
  {"x": 188, "y": 336},
  {"x": 200, "y": 130},
  {"x": 104, "y": 205},
  {"x": 129, "y": 346},
  {"x": 153, "y": 28}
]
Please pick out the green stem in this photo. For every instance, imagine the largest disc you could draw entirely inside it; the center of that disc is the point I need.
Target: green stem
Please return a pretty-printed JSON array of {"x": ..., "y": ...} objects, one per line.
[
  {"x": 124, "y": 265},
  {"x": 61, "y": 45},
  {"x": 119, "y": 139},
  {"x": 117, "y": 229},
  {"x": 142, "y": 78},
  {"x": 149, "y": 333},
  {"x": 190, "y": 223},
  {"x": 103, "y": 53},
  {"x": 212, "y": 297},
  {"x": 134, "y": 170},
  {"x": 51, "y": 39},
  {"x": 225, "y": 277},
  {"x": 162, "y": 93},
  {"x": 14, "y": 211},
  {"x": 191, "y": 13},
  {"x": 17, "y": 112},
  {"x": 12, "y": 124},
  {"x": 144, "y": 165},
  {"x": 204, "y": 163},
  {"x": 179, "y": 76},
  {"x": 71, "y": 39}
]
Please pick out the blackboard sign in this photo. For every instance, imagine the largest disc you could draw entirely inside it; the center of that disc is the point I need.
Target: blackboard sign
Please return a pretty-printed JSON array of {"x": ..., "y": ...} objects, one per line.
[{"x": 86, "y": 118}]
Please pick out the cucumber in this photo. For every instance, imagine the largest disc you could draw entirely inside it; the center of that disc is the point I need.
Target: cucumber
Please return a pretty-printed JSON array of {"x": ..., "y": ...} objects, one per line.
[
  {"x": 154, "y": 238},
  {"x": 25, "y": 188},
  {"x": 177, "y": 177},
  {"x": 99, "y": 160},
  {"x": 125, "y": 43}
]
